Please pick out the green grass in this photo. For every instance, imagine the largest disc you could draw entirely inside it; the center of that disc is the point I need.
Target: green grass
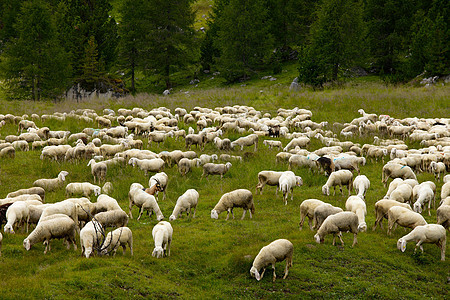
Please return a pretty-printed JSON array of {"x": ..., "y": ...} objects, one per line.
[{"x": 212, "y": 258}]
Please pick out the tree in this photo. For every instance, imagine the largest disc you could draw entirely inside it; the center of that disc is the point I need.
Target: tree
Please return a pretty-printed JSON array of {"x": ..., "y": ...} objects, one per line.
[
  {"x": 336, "y": 42},
  {"x": 34, "y": 64}
]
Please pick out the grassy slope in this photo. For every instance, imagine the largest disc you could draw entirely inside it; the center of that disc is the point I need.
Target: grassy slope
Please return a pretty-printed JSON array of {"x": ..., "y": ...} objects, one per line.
[{"x": 211, "y": 258}]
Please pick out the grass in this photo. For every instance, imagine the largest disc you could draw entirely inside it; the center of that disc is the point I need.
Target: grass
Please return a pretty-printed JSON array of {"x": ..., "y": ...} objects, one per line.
[{"x": 211, "y": 258}]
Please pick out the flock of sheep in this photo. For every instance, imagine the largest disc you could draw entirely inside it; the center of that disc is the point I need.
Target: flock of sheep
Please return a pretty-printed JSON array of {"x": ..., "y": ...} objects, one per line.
[{"x": 338, "y": 159}]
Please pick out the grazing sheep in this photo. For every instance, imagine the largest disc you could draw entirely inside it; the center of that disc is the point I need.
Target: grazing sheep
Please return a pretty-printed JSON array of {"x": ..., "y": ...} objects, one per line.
[
  {"x": 392, "y": 186},
  {"x": 341, "y": 177},
  {"x": 116, "y": 218},
  {"x": 430, "y": 233},
  {"x": 276, "y": 251},
  {"x": 246, "y": 141},
  {"x": 381, "y": 210},
  {"x": 307, "y": 208},
  {"x": 91, "y": 237},
  {"x": 445, "y": 190},
  {"x": 437, "y": 168},
  {"x": 322, "y": 211},
  {"x": 268, "y": 177},
  {"x": 237, "y": 198},
  {"x": 106, "y": 203},
  {"x": 107, "y": 188},
  {"x": 403, "y": 193},
  {"x": 147, "y": 165},
  {"x": 162, "y": 235},
  {"x": 30, "y": 191},
  {"x": 195, "y": 139},
  {"x": 425, "y": 195},
  {"x": 57, "y": 226},
  {"x": 361, "y": 184},
  {"x": 215, "y": 169},
  {"x": 403, "y": 217},
  {"x": 16, "y": 213},
  {"x": 358, "y": 206},
  {"x": 83, "y": 188},
  {"x": 8, "y": 152},
  {"x": 394, "y": 170},
  {"x": 443, "y": 215},
  {"x": 122, "y": 236},
  {"x": 288, "y": 180},
  {"x": 349, "y": 162},
  {"x": 326, "y": 164},
  {"x": 272, "y": 143},
  {"x": 98, "y": 170},
  {"x": 162, "y": 179},
  {"x": 301, "y": 142},
  {"x": 205, "y": 158},
  {"x": 185, "y": 165},
  {"x": 185, "y": 203},
  {"x": 21, "y": 145},
  {"x": 337, "y": 223},
  {"x": 137, "y": 196},
  {"x": 52, "y": 184},
  {"x": 222, "y": 144},
  {"x": 158, "y": 137}
]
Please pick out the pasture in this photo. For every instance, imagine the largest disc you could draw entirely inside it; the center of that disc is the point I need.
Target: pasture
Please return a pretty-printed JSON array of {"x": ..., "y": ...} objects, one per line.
[{"x": 212, "y": 258}]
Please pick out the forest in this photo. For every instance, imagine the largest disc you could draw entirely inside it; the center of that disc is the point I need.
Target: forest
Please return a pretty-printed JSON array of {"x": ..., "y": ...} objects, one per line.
[{"x": 132, "y": 46}]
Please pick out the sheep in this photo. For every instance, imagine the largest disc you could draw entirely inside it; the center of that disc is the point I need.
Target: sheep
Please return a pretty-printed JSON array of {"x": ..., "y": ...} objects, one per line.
[
  {"x": 392, "y": 186},
  {"x": 326, "y": 164},
  {"x": 137, "y": 196},
  {"x": 341, "y": 177},
  {"x": 121, "y": 236},
  {"x": 195, "y": 139},
  {"x": 158, "y": 137},
  {"x": 162, "y": 235},
  {"x": 222, "y": 144},
  {"x": 8, "y": 152},
  {"x": 98, "y": 170},
  {"x": 215, "y": 169},
  {"x": 307, "y": 210},
  {"x": 445, "y": 201},
  {"x": 302, "y": 142},
  {"x": 446, "y": 178},
  {"x": 83, "y": 188},
  {"x": 394, "y": 170},
  {"x": 272, "y": 143},
  {"x": 361, "y": 184},
  {"x": 425, "y": 195},
  {"x": 118, "y": 132},
  {"x": 443, "y": 215},
  {"x": 25, "y": 124},
  {"x": 107, "y": 188},
  {"x": 147, "y": 165},
  {"x": 322, "y": 211},
  {"x": 16, "y": 213},
  {"x": 205, "y": 158},
  {"x": 437, "y": 168},
  {"x": 335, "y": 224},
  {"x": 445, "y": 190},
  {"x": 403, "y": 193},
  {"x": 268, "y": 177},
  {"x": 358, "y": 206},
  {"x": 185, "y": 165},
  {"x": 381, "y": 210},
  {"x": 288, "y": 180},
  {"x": 430, "y": 233},
  {"x": 90, "y": 237},
  {"x": 107, "y": 150},
  {"x": 276, "y": 251},
  {"x": 30, "y": 191},
  {"x": 57, "y": 226},
  {"x": 185, "y": 202},
  {"x": 249, "y": 140},
  {"x": 162, "y": 179},
  {"x": 117, "y": 218},
  {"x": 237, "y": 198},
  {"x": 52, "y": 184},
  {"x": 66, "y": 207},
  {"x": 106, "y": 203},
  {"x": 403, "y": 217}
]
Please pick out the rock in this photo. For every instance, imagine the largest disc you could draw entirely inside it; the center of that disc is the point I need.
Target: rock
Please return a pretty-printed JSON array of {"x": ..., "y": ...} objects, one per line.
[{"x": 294, "y": 87}]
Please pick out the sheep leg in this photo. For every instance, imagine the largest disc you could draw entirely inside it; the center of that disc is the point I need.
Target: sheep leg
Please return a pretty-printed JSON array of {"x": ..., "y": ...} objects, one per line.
[
  {"x": 140, "y": 213},
  {"x": 310, "y": 223},
  {"x": 286, "y": 269},
  {"x": 232, "y": 214},
  {"x": 342, "y": 191},
  {"x": 302, "y": 219},
  {"x": 441, "y": 244},
  {"x": 334, "y": 192},
  {"x": 334, "y": 239},
  {"x": 340, "y": 237},
  {"x": 228, "y": 214},
  {"x": 355, "y": 241},
  {"x": 292, "y": 194},
  {"x": 274, "y": 275},
  {"x": 243, "y": 215},
  {"x": 262, "y": 274},
  {"x": 168, "y": 247},
  {"x": 250, "y": 212},
  {"x": 129, "y": 208}
]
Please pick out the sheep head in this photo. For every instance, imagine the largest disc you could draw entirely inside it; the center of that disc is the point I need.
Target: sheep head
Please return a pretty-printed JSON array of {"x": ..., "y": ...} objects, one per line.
[
  {"x": 318, "y": 239},
  {"x": 362, "y": 227},
  {"x": 172, "y": 217},
  {"x": 214, "y": 214},
  {"x": 160, "y": 217},
  {"x": 97, "y": 190},
  {"x": 401, "y": 244},
  {"x": 326, "y": 190},
  {"x": 8, "y": 229},
  {"x": 298, "y": 181},
  {"x": 254, "y": 273},
  {"x": 158, "y": 252},
  {"x": 417, "y": 208},
  {"x": 26, "y": 244}
]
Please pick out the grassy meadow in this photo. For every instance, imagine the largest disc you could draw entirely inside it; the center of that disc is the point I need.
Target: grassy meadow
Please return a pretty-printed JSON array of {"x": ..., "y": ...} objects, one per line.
[{"x": 212, "y": 258}]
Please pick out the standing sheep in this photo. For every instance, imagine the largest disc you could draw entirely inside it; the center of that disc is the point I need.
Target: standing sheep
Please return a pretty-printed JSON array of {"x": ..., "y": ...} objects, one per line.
[
  {"x": 268, "y": 177},
  {"x": 83, "y": 188},
  {"x": 381, "y": 210},
  {"x": 215, "y": 169},
  {"x": 237, "y": 198},
  {"x": 52, "y": 184},
  {"x": 335, "y": 224},
  {"x": 425, "y": 194},
  {"x": 116, "y": 218},
  {"x": 122, "y": 236},
  {"x": 361, "y": 184},
  {"x": 341, "y": 177},
  {"x": 276, "y": 251},
  {"x": 30, "y": 191},
  {"x": 90, "y": 237},
  {"x": 162, "y": 235},
  {"x": 185, "y": 165},
  {"x": 162, "y": 179},
  {"x": 137, "y": 196},
  {"x": 288, "y": 180},
  {"x": 430, "y": 233},
  {"x": 307, "y": 208},
  {"x": 394, "y": 170},
  {"x": 358, "y": 206},
  {"x": 443, "y": 215},
  {"x": 403, "y": 217},
  {"x": 185, "y": 203},
  {"x": 437, "y": 168},
  {"x": 98, "y": 170},
  {"x": 322, "y": 212}
]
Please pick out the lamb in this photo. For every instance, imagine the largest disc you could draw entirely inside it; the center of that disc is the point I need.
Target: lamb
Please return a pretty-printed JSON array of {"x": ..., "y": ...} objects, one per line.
[
  {"x": 222, "y": 144},
  {"x": 268, "y": 177},
  {"x": 395, "y": 170},
  {"x": 425, "y": 195},
  {"x": 430, "y": 233},
  {"x": 335, "y": 224},
  {"x": 83, "y": 188},
  {"x": 322, "y": 211},
  {"x": 288, "y": 180},
  {"x": 185, "y": 165},
  {"x": 237, "y": 198},
  {"x": 215, "y": 169},
  {"x": 16, "y": 213},
  {"x": 443, "y": 215},
  {"x": 341, "y": 177},
  {"x": 117, "y": 218},
  {"x": 52, "y": 184},
  {"x": 147, "y": 165},
  {"x": 381, "y": 210},
  {"x": 276, "y": 251},
  {"x": 251, "y": 139},
  {"x": 437, "y": 168},
  {"x": 90, "y": 237},
  {"x": 57, "y": 226},
  {"x": 122, "y": 236},
  {"x": 403, "y": 193},
  {"x": 162, "y": 179},
  {"x": 98, "y": 170},
  {"x": 404, "y": 217},
  {"x": 272, "y": 143},
  {"x": 185, "y": 203},
  {"x": 361, "y": 184},
  {"x": 358, "y": 206},
  {"x": 30, "y": 191},
  {"x": 162, "y": 235},
  {"x": 307, "y": 208},
  {"x": 137, "y": 196}
]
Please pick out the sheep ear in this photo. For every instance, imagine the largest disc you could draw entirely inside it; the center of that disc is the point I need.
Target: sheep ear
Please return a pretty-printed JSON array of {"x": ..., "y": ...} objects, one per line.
[{"x": 257, "y": 275}]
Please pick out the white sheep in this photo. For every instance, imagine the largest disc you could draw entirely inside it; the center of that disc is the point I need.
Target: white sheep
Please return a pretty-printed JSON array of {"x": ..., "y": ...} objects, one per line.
[
  {"x": 446, "y": 178},
  {"x": 65, "y": 207},
  {"x": 105, "y": 203},
  {"x": 222, "y": 144},
  {"x": 56, "y": 226},
  {"x": 381, "y": 210},
  {"x": 430, "y": 233},
  {"x": 276, "y": 251},
  {"x": 162, "y": 179},
  {"x": 195, "y": 139},
  {"x": 403, "y": 217},
  {"x": 322, "y": 211},
  {"x": 137, "y": 196},
  {"x": 358, "y": 206},
  {"x": 335, "y": 224},
  {"x": 185, "y": 165},
  {"x": 16, "y": 213},
  {"x": 107, "y": 188},
  {"x": 288, "y": 180},
  {"x": 445, "y": 190},
  {"x": 98, "y": 170},
  {"x": 30, "y": 191},
  {"x": 147, "y": 165},
  {"x": 185, "y": 203},
  {"x": 361, "y": 184},
  {"x": 392, "y": 186},
  {"x": 83, "y": 188},
  {"x": 341, "y": 177},
  {"x": 443, "y": 215},
  {"x": 237, "y": 198},
  {"x": 246, "y": 141},
  {"x": 307, "y": 208},
  {"x": 116, "y": 218},
  {"x": 272, "y": 143},
  {"x": 52, "y": 184},
  {"x": 268, "y": 177},
  {"x": 122, "y": 236},
  {"x": 403, "y": 193},
  {"x": 437, "y": 168},
  {"x": 162, "y": 235},
  {"x": 302, "y": 142},
  {"x": 91, "y": 237},
  {"x": 215, "y": 169},
  {"x": 205, "y": 158},
  {"x": 425, "y": 195},
  {"x": 394, "y": 170}
]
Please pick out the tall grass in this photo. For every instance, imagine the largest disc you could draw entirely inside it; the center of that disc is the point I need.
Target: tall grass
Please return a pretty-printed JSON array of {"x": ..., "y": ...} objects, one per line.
[{"x": 211, "y": 258}]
